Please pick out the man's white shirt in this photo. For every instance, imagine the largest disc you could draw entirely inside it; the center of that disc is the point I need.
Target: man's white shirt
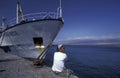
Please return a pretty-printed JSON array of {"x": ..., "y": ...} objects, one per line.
[{"x": 59, "y": 60}]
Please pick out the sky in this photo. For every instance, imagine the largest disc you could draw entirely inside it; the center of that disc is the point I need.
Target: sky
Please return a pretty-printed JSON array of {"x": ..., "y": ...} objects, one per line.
[{"x": 82, "y": 18}]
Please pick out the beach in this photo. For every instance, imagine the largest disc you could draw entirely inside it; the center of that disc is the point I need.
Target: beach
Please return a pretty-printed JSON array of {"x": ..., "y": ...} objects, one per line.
[{"x": 12, "y": 66}]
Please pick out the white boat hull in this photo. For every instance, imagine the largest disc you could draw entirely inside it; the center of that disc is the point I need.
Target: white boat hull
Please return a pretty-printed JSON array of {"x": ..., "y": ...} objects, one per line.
[{"x": 19, "y": 38}]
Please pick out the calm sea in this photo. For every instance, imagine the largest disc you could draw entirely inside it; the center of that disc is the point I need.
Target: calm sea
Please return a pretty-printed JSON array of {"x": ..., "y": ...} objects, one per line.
[{"x": 91, "y": 61}]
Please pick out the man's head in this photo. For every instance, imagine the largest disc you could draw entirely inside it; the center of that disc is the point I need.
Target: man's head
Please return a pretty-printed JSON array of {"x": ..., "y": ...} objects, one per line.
[{"x": 61, "y": 48}]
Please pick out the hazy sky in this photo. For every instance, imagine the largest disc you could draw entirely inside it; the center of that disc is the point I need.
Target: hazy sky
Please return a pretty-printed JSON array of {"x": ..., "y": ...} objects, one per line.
[{"x": 82, "y": 18}]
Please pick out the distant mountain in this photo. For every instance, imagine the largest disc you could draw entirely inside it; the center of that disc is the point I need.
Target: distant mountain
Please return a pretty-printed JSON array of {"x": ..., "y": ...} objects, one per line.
[{"x": 110, "y": 41}]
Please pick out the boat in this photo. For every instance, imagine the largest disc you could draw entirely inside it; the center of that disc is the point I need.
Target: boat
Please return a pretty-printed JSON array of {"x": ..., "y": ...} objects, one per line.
[{"x": 30, "y": 35}]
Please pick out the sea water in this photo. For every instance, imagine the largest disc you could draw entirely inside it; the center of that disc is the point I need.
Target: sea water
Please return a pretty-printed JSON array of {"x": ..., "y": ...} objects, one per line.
[{"x": 91, "y": 61}]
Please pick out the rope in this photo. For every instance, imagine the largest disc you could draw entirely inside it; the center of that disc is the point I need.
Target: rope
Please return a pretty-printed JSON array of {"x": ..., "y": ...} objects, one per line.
[{"x": 42, "y": 55}]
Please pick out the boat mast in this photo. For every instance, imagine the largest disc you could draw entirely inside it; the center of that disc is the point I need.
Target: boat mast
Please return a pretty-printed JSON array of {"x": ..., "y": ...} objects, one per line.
[
  {"x": 19, "y": 13},
  {"x": 3, "y": 20},
  {"x": 60, "y": 10}
]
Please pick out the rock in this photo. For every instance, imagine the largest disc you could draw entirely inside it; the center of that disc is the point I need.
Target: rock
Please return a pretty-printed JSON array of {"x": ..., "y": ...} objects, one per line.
[{"x": 12, "y": 66}]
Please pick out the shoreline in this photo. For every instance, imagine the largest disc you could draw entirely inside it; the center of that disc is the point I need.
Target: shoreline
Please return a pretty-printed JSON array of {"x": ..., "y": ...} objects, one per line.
[{"x": 12, "y": 66}]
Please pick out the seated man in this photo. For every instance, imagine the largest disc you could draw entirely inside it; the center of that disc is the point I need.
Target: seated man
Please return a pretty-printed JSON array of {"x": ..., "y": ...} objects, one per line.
[{"x": 59, "y": 62}]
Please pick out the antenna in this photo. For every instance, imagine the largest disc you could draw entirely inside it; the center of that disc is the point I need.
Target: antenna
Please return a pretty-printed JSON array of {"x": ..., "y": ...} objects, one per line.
[{"x": 60, "y": 4}]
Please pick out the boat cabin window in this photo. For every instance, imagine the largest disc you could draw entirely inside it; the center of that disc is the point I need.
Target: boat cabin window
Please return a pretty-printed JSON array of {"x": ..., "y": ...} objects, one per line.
[{"x": 38, "y": 41}]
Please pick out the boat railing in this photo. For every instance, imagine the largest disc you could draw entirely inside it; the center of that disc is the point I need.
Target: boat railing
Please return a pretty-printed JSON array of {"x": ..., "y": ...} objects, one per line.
[{"x": 33, "y": 17}]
